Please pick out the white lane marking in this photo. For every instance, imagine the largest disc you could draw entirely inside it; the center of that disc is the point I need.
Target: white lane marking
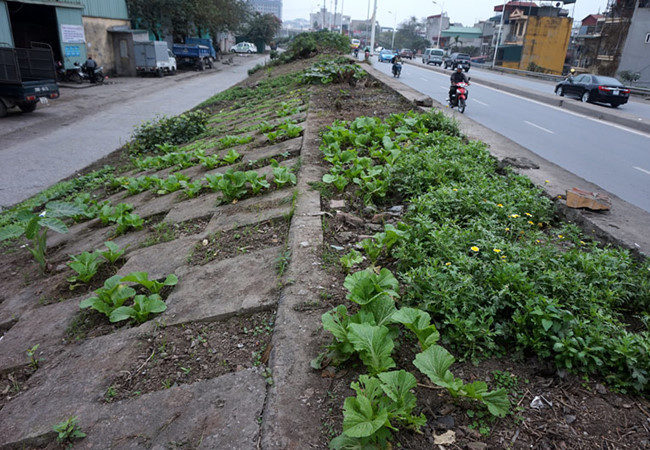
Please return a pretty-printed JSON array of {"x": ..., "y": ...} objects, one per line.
[
  {"x": 537, "y": 126},
  {"x": 642, "y": 170},
  {"x": 479, "y": 102},
  {"x": 424, "y": 79}
]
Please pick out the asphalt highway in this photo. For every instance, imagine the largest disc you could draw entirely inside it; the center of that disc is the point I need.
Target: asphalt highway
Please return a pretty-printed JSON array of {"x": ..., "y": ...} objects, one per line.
[{"x": 612, "y": 156}]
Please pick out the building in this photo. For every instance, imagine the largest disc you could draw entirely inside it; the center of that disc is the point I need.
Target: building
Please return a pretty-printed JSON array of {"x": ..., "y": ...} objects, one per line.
[
  {"x": 457, "y": 37},
  {"x": 434, "y": 27},
  {"x": 533, "y": 37},
  {"x": 267, "y": 7},
  {"x": 73, "y": 29},
  {"x": 617, "y": 42},
  {"x": 635, "y": 56}
]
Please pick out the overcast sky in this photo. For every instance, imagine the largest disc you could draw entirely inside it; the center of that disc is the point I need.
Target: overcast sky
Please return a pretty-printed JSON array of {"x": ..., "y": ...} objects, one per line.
[{"x": 466, "y": 12}]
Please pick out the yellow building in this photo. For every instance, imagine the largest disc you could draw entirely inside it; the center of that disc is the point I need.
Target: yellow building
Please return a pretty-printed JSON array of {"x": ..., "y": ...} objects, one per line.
[{"x": 537, "y": 43}]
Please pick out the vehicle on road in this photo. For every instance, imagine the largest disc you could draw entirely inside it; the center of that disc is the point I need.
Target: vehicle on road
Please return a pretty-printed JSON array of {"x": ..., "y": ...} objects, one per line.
[
  {"x": 354, "y": 43},
  {"x": 203, "y": 41},
  {"x": 397, "y": 69},
  {"x": 459, "y": 99},
  {"x": 244, "y": 47},
  {"x": 594, "y": 89},
  {"x": 385, "y": 55},
  {"x": 433, "y": 56},
  {"x": 192, "y": 56},
  {"x": 27, "y": 76},
  {"x": 458, "y": 59},
  {"x": 98, "y": 74},
  {"x": 406, "y": 53},
  {"x": 154, "y": 57}
]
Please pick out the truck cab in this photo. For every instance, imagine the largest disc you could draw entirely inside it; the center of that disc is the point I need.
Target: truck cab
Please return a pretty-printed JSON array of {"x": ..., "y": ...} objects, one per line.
[{"x": 27, "y": 77}]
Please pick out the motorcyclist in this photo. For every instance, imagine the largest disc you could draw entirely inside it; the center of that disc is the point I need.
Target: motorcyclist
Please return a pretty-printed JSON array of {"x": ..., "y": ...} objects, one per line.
[
  {"x": 572, "y": 72},
  {"x": 396, "y": 59},
  {"x": 89, "y": 67},
  {"x": 457, "y": 77}
]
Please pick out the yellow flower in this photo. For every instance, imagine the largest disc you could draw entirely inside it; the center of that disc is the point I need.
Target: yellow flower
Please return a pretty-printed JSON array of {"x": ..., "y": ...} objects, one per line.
[
  {"x": 560, "y": 236},
  {"x": 514, "y": 216},
  {"x": 475, "y": 249},
  {"x": 499, "y": 205},
  {"x": 447, "y": 264},
  {"x": 583, "y": 242},
  {"x": 531, "y": 222},
  {"x": 503, "y": 257},
  {"x": 540, "y": 224},
  {"x": 507, "y": 229},
  {"x": 496, "y": 250},
  {"x": 455, "y": 190},
  {"x": 529, "y": 214},
  {"x": 538, "y": 241},
  {"x": 546, "y": 181}
]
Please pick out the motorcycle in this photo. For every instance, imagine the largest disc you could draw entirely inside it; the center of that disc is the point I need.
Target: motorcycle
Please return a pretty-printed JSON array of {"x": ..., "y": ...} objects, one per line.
[
  {"x": 397, "y": 69},
  {"x": 72, "y": 75},
  {"x": 98, "y": 74},
  {"x": 459, "y": 99}
]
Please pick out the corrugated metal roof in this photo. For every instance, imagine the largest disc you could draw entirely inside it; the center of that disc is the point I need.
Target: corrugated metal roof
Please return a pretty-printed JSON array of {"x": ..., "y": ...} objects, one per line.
[{"x": 110, "y": 9}]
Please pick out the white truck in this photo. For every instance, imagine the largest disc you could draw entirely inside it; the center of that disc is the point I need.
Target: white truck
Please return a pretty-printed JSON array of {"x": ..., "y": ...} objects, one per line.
[{"x": 154, "y": 57}]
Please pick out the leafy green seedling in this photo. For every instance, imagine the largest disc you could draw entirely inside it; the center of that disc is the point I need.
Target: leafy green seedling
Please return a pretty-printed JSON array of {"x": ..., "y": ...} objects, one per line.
[
  {"x": 86, "y": 265},
  {"x": 113, "y": 253},
  {"x": 68, "y": 430},
  {"x": 232, "y": 156},
  {"x": 109, "y": 297},
  {"x": 143, "y": 306},
  {"x": 34, "y": 361},
  {"x": 152, "y": 286},
  {"x": 350, "y": 260},
  {"x": 35, "y": 226}
]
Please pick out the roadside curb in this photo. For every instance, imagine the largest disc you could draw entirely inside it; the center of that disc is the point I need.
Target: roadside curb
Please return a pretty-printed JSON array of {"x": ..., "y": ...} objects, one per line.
[
  {"x": 624, "y": 225},
  {"x": 593, "y": 111}
]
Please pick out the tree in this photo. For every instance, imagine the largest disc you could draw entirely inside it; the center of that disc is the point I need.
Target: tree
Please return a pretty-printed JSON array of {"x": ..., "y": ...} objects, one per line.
[
  {"x": 182, "y": 18},
  {"x": 263, "y": 27},
  {"x": 409, "y": 35}
]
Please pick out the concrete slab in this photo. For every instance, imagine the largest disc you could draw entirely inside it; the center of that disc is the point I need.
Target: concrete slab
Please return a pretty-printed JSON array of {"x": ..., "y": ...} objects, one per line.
[
  {"x": 70, "y": 384},
  {"x": 150, "y": 259},
  {"x": 252, "y": 210},
  {"x": 221, "y": 413},
  {"x": 202, "y": 206},
  {"x": 224, "y": 288},
  {"x": 44, "y": 326}
]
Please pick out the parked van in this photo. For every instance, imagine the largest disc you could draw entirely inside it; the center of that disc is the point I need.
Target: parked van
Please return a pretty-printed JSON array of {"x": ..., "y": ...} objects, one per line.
[{"x": 433, "y": 56}]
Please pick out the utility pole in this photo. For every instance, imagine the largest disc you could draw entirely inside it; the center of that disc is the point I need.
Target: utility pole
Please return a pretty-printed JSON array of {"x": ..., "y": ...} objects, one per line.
[
  {"x": 342, "y": 1},
  {"x": 372, "y": 30},
  {"x": 336, "y": 4}
]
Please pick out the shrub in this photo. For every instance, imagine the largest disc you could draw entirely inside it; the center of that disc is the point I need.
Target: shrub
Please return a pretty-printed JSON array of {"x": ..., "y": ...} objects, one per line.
[{"x": 168, "y": 130}]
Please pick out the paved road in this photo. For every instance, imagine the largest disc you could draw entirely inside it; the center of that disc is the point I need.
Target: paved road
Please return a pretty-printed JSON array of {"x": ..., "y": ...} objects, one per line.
[
  {"x": 37, "y": 150},
  {"x": 611, "y": 156}
]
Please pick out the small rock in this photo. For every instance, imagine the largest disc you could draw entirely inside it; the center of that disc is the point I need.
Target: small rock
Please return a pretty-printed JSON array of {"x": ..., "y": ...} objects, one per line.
[
  {"x": 379, "y": 218},
  {"x": 444, "y": 423},
  {"x": 477, "y": 446},
  {"x": 328, "y": 372},
  {"x": 427, "y": 101},
  {"x": 570, "y": 418},
  {"x": 520, "y": 163},
  {"x": 449, "y": 437},
  {"x": 349, "y": 219},
  {"x": 337, "y": 204},
  {"x": 375, "y": 227},
  {"x": 397, "y": 209},
  {"x": 602, "y": 390},
  {"x": 577, "y": 198},
  {"x": 204, "y": 242},
  {"x": 304, "y": 244},
  {"x": 337, "y": 247}
]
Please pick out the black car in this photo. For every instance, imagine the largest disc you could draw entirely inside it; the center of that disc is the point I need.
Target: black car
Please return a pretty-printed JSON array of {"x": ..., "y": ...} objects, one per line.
[
  {"x": 458, "y": 59},
  {"x": 594, "y": 88}
]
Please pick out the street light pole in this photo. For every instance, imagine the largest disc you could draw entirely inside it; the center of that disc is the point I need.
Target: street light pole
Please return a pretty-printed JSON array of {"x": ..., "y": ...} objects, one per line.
[
  {"x": 372, "y": 29},
  {"x": 392, "y": 42},
  {"x": 496, "y": 48},
  {"x": 442, "y": 8}
]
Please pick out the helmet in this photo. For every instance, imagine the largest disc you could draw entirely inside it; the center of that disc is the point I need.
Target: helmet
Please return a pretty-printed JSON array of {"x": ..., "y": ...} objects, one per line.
[
  {"x": 459, "y": 69},
  {"x": 573, "y": 71}
]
